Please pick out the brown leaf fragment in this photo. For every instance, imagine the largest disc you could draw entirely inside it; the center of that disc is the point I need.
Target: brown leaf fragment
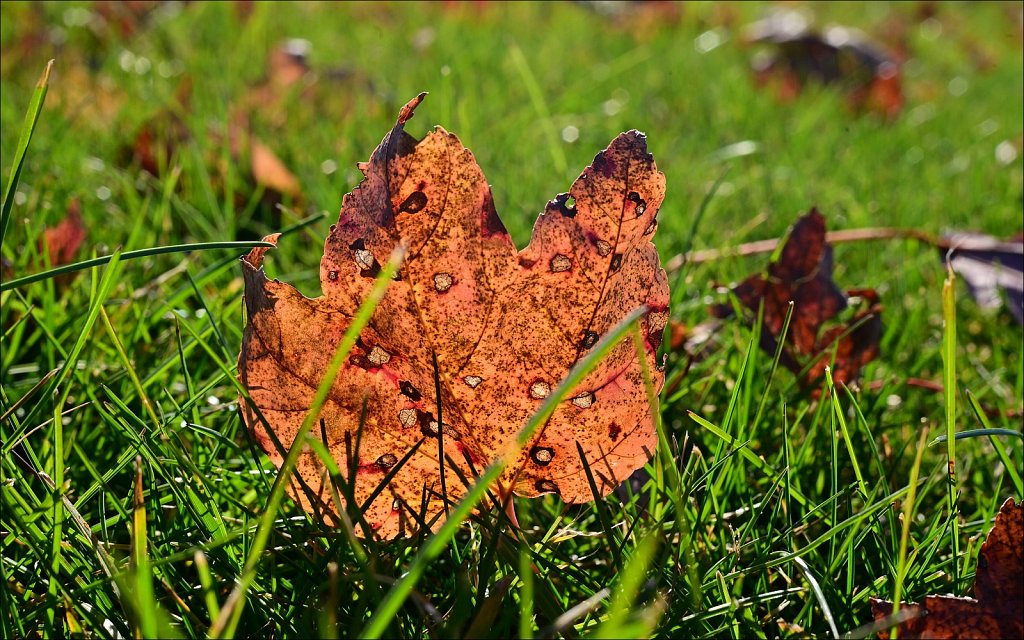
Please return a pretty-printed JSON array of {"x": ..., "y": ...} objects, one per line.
[
  {"x": 494, "y": 330},
  {"x": 803, "y": 275},
  {"x": 997, "y": 609}
]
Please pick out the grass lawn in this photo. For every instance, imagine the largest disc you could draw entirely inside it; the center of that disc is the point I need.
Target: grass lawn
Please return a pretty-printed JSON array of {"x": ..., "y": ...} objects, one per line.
[{"x": 133, "y": 500}]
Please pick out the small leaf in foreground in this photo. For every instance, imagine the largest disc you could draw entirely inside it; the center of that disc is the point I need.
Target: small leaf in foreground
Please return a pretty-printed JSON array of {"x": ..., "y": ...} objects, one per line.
[
  {"x": 469, "y": 340},
  {"x": 997, "y": 609},
  {"x": 803, "y": 275}
]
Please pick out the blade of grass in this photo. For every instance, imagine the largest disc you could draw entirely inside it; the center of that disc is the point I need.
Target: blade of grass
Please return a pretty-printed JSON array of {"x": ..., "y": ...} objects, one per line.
[
  {"x": 35, "y": 107},
  {"x": 1011, "y": 467},
  {"x": 540, "y": 106},
  {"x": 908, "y": 519},
  {"x": 206, "y": 581},
  {"x": 525, "y": 594},
  {"x": 624, "y": 620},
  {"x": 949, "y": 398},
  {"x": 837, "y": 411},
  {"x": 127, "y": 255},
  {"x": 141, "y": 573}
]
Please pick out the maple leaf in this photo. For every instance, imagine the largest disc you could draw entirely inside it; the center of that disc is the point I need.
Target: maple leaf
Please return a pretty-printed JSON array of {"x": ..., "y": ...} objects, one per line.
[
  {"x": 803, "y": 275},
  {"x": 467, "y": 318},
  {"x": 996, "y": 611}
]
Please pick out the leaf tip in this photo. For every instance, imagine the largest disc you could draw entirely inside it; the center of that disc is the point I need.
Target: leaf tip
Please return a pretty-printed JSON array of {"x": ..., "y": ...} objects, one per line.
[
  {"x": 407, "y": 111},
  {"x": 44, "y": 79},
  {"x": 255, "y": 257}
]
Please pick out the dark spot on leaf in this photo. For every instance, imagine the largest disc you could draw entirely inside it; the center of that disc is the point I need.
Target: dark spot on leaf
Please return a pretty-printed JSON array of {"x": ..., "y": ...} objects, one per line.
[
  {"x": 387, "y": 461},
  {"x": 358, "y": 245},
  {"x": 542, "y": 455},
  {"x": 414, "y": 203},
  {"x": 540, "y": 390},
  {"x": 584, "y": 400},
  {"x": 372, "y": 272},
  {"x": 616, "y": 262},
  {"x": 546, "y": 486},
  {"x": 407, "y": 417},
  {"x": 613, "y": 431},
  {"x": 589, "y": 339},
  {"x": 428, "y": 425},
  {"x": 332, "y": 275},
  {"x": 364, "y": 258},
  {"x": 409, "y": 391},
  {"x": 379, "y": 356},
  {"x": 526, "y": 263},
  {"x": 603, "y": 165},
  {"x": 641, "y": 204},
  {"x": 360, "y": 361},
  {"x": 651, "y": 227},
  {"x": 565, "y": 204},
  {"x": 490, "y": 223}
]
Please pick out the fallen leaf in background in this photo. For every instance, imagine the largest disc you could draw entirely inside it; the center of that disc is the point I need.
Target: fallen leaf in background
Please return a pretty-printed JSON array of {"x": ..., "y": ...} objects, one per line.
[
  {"x": 61, "y": 242},
  {"x": 997, "y": 609},
  {"x": 803, "y": 274},
  {"x": 165, "y": 132},
  {"x": 157, "y": 139},
  {"x": 287, "y": 70},
  {"x": 125, "y": 17},
  {"x": 837, "y": 55},
  {"x": 270, "y": 173},
  {"x": 491, "y": 330},
  {"x": 990, "y": 267}
]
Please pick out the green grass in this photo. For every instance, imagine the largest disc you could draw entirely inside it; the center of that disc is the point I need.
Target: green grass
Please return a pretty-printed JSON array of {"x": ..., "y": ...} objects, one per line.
[{"x": 133, "y": 501}]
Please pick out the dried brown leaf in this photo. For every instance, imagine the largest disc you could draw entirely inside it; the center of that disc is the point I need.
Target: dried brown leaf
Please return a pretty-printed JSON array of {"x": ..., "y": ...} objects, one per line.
[
  {"x": 494, "y": 329},
  {"x": 803, "y": 275},
  {"x": 997, "y": 609}
]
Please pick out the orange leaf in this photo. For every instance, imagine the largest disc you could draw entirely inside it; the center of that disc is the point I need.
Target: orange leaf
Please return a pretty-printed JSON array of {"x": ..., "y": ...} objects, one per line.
[
  {"x": 270, "y": 172},
  {"x": 492, "y": 329}
]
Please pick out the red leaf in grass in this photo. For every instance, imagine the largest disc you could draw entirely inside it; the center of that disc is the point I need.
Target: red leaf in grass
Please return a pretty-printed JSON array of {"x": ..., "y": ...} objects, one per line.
[
  {"x": 803, "y": 275},
  {"x": 496, "y": 330},
  {"x": 62, "y": 241}
]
